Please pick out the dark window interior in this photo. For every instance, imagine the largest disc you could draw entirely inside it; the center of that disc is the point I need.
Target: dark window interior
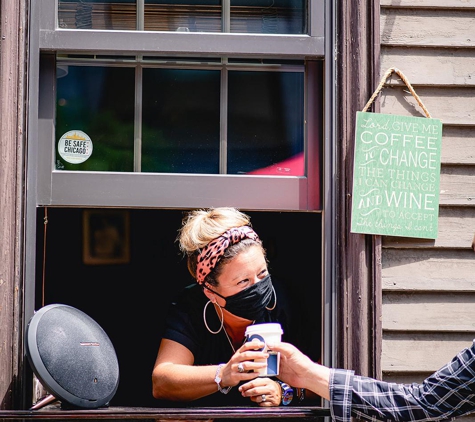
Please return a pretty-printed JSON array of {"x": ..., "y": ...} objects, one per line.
[{"x": 130, "y": 299}]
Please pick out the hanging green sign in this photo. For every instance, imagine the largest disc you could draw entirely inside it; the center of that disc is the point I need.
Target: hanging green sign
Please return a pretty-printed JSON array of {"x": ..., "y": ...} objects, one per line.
[{"x": 396, "y": 175}]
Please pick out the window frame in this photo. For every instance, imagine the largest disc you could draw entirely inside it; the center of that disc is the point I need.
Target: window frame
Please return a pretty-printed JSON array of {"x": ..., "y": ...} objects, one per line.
[{"x": 44, "y": 187}]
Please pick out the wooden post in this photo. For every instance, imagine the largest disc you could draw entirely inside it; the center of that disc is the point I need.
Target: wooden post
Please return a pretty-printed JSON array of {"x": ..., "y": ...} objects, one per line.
[
  {"x": 12, "y": 124},
  {"x": 359, "y": 331}
]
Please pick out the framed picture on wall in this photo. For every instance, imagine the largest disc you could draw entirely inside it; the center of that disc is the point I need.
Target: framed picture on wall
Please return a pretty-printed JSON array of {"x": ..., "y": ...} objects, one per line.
[{"x": 106, "y": 237}]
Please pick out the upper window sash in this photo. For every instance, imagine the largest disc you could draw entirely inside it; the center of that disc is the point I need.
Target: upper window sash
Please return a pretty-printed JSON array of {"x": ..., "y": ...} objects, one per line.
[
  {"x": 53, "y": 38},
  {"x": 170, "y": 190}
]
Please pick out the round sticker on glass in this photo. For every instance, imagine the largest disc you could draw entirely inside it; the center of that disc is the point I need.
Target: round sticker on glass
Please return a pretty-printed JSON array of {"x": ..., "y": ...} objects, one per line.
[{"x": 75, "y": 147}]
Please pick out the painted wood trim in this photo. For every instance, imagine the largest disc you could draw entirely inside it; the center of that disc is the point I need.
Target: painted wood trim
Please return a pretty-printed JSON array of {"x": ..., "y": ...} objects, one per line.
[
  {"x": 358, "y": 75},
  {"x": 12, "y": 124},
  {"x": 114, "y": 413}
]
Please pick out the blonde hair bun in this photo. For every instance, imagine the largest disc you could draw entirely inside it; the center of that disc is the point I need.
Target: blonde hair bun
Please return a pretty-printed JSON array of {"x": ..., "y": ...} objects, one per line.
[{"x": 199, "y": 227}]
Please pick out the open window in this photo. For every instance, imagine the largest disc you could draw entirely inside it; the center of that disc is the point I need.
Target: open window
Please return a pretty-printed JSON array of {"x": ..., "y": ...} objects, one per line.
[
  {"x": 123, "y": 267},
  {"x": 143, "y": 109}
]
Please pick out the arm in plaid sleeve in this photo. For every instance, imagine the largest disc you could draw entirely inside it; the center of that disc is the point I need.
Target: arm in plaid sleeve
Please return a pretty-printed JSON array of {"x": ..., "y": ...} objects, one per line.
[
  {"x": 447, "y": 393},
  {"x": 341, "y": 394}
]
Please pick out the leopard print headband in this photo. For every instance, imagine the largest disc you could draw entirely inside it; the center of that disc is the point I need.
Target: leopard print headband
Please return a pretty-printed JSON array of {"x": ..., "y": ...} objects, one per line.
[{"x": 214, "y": 250}]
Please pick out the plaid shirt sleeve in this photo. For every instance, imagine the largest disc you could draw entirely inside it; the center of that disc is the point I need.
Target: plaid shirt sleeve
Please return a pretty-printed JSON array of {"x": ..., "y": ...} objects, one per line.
[{"x": 447, "y": 393}]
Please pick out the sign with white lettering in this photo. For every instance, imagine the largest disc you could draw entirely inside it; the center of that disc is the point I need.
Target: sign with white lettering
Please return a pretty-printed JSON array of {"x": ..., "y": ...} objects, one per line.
[
  {"x": 75, "y": 146},
  {"x": 396, "y": 175}
]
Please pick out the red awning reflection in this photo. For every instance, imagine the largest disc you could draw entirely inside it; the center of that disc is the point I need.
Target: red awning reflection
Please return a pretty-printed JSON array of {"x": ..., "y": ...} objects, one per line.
[{"x": 293, "y": 166}]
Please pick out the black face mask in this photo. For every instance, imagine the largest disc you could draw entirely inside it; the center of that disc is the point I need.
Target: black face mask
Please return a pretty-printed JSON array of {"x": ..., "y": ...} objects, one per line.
[{"x": 251, "y": 302}]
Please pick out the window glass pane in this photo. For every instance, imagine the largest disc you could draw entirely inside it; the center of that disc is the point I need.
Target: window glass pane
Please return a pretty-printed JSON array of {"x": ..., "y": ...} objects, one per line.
[
  {"x": 97, "y": 14},
  {"x": 183, "y": 15},
  {"x": 269, "y": 16},
  {"x": 246, "y": 16},
  {"x": 97, "y": 102},
  {"x": 265, "y": 128},
  {"x": 181, "y": 121},
  {"x": 182, "y": 116}
]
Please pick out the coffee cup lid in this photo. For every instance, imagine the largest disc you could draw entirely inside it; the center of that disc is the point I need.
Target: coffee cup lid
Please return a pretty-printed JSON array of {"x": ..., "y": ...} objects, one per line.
[{"x": 270, "y": 327}]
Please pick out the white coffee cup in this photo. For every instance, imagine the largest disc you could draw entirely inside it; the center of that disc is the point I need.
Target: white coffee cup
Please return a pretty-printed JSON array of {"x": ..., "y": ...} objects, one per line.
[{"x": 268, "y": 332}]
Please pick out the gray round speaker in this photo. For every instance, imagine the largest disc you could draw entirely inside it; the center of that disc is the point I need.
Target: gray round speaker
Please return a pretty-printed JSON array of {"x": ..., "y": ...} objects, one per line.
[{"x": 72, "y": 356}]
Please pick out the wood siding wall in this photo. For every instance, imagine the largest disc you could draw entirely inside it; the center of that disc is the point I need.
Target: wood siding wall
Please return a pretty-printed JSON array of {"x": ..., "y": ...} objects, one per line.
[{"x": 428, "y": 287}]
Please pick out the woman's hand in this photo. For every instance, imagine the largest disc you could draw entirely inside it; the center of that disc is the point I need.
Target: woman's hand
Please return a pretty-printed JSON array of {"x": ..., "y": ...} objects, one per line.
[
  {"x": 263, "y": 391},
  {"x": 240, "y": 368}
]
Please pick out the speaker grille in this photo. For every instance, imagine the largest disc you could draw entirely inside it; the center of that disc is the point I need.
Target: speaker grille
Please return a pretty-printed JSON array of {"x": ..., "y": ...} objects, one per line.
[{"x": 77, "y": 354}]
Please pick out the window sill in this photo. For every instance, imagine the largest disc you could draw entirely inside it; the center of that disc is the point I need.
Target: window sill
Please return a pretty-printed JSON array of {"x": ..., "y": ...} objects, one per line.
[{"x": 175, "y": 414}]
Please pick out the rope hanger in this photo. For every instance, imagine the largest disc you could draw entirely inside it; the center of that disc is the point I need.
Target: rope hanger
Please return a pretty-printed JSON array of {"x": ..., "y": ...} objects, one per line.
[{"x": 386, "y": 75}]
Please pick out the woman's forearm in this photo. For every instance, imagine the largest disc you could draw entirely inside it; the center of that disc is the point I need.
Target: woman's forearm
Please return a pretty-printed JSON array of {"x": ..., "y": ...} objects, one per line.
[{"x": 183, "y": 382}]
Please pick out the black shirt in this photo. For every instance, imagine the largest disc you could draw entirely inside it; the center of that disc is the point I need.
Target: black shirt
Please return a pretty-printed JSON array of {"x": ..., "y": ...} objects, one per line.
[{"x": 185, "y": 325}]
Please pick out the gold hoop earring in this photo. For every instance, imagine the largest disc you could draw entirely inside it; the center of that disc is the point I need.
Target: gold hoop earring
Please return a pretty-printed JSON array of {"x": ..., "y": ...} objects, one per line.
[
  {"x": 275, "y": 303},
  {"x": 204, "y": 318}
]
